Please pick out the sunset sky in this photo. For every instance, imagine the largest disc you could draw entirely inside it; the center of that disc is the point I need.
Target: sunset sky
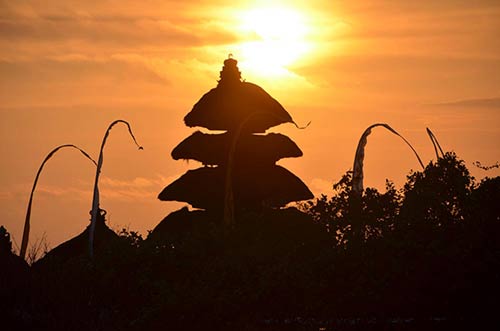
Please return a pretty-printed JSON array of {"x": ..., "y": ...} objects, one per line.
[{"x": 69, "y": 68}]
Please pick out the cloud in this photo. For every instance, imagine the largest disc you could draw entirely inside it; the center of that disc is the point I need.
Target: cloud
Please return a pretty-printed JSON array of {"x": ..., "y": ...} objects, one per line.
[
  {"x": 57, "y": 191},
  {"x": 112, "y": 33},
  {"x": 139, "y": 188},
  {"x": 121, "y": 31},
  {"x": 491, "y": 103},
  {"x": 138, "y": 182},
  {"x": 82, "y": 72}
]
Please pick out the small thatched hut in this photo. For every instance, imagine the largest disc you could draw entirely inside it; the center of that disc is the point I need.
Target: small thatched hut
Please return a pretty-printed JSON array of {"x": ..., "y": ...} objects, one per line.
[{"x": 78, "y": 247}]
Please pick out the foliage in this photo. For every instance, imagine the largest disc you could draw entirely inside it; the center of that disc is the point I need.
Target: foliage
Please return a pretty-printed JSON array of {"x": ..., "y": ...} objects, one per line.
[
  {"x": 132, "y": 238},
  {"x": 436, "y": 236},
  {"x": 333, "y": 213},
  {"x": 38, "y": 249},
  {"x": 486, "y": 167},
  {"x": 437, "y": 196},
  {"x": 429, "y": 250},
  {"x": 378, "y": 211},
  {"x": 5, "y": 242}
]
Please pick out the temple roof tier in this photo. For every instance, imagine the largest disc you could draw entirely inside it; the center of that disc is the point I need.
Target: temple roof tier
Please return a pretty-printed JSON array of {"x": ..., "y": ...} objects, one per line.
[
  {"x": 229, "y": 106},
  {"x": 213, "y": 149},
  {"x": 271, "y": 186}
]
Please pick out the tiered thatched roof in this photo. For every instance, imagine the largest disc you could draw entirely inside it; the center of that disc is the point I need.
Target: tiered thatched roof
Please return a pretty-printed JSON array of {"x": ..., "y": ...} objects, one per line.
[
  {"x": 272, "y": 186},
  {"x": 245, "y": 161},
  {"x": 233, "y": 103},
  {"x": 213, "y": 149}
]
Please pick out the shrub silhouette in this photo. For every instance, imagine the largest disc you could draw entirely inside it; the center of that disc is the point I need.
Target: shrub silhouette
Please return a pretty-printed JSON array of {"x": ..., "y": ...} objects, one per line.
[
  {"x": 437, "y": 197},
  {"x": 14, "y": 283}
]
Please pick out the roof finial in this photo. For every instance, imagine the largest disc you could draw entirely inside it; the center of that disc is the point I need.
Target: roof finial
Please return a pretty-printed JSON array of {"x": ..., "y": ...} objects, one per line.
[{"x": 230, "y": 72}]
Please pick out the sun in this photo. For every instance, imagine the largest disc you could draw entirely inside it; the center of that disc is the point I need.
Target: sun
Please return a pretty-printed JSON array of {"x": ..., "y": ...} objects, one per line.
[{"x": 276, "y": 37}]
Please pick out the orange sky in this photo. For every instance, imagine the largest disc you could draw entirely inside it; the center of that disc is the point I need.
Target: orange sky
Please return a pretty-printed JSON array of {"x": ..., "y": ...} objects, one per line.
[{"x": 69, "y": 68}]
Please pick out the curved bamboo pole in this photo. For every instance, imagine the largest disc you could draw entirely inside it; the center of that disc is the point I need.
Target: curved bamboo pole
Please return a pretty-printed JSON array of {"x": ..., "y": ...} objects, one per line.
[
  {"x": 26, "y": 231},
  {"x": 357, "y": 174},
  {"x": 355, "y": 205},
  {"x": 435, "y": 143},
  {"x": 95, "y": 198}
]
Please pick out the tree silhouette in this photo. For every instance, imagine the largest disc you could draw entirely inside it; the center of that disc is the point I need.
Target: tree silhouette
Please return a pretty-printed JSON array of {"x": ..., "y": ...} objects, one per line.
[
  {"x": 378, "y": 212},
  {"x": 437, "y": 197},
  {"x": 5, "y": 243}
]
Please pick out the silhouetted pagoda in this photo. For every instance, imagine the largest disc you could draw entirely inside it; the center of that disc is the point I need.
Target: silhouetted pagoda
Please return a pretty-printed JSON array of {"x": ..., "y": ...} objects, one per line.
[{"x": 245, "y": 111}]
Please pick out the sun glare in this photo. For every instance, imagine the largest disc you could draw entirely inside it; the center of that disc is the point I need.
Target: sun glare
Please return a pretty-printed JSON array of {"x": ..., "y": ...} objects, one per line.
[{"x": 276, "y": 39}]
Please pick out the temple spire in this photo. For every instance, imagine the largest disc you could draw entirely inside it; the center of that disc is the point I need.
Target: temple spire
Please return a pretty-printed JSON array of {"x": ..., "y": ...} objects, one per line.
[{"x": 230, "y": 73}]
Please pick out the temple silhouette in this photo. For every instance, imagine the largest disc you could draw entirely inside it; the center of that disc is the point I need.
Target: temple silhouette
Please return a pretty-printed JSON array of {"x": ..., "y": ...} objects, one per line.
[{"x": 245, "y": 112}]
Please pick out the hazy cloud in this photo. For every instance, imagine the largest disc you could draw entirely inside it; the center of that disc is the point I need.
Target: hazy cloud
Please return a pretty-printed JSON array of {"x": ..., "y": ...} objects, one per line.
[
  {"x": 109, "y": 188},
  {"x": 123, "y": 32},
  {"x": 473, "y": 103},
  {"x": 138, "y": 182},
  {"x": 57, "y": 191},
  {"x": 119, "y": 25}
]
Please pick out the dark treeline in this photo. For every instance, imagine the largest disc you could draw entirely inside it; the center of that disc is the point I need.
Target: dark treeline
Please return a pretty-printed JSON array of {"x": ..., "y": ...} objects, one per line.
[{"x": 424, "y": 257}]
